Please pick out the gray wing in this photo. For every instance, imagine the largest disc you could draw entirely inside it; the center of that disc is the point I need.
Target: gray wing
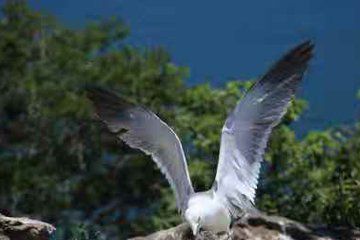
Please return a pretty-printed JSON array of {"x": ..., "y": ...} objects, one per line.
[
  {"x": 247, "y": 129},
  {"x": 142, "y": 129}
]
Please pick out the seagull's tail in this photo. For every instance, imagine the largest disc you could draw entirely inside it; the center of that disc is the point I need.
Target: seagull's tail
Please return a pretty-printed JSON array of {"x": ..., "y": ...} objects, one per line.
[
  {"x": 243, "y": 208},
  {"x": 252, "y": 210},
  {"x": 249, "y": 208}
]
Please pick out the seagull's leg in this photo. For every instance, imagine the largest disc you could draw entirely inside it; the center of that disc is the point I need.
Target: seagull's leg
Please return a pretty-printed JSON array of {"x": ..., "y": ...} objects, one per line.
[
  {"x": 200, "y": 235},
  {"x": 229, "y": 234},
  {"x": 206, "y": 235}
]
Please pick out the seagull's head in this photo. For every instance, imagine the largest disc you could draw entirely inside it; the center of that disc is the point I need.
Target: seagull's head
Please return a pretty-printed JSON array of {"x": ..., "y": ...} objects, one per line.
[{"x": 193, "y": 217}]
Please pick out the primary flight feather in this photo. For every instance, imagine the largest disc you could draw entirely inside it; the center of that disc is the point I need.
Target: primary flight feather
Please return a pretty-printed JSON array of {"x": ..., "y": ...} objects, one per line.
[
  {"x": 147, "y": 132},
  {"x": 243, "y": 141}
]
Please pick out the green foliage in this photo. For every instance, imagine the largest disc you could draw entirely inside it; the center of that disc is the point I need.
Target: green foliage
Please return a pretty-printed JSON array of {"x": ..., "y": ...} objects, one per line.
[
  {"x": 79, "y": 232},
  {"x": 315, "y": 179},
  {"x": 58, "y": 164}
]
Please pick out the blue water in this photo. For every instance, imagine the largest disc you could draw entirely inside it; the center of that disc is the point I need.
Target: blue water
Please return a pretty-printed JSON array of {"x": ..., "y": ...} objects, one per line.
[{"x": 223, "y": 40}]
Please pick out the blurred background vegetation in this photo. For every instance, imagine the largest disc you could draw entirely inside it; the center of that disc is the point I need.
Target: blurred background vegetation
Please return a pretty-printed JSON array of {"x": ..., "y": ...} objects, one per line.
[{"x": 60, "y": 165}]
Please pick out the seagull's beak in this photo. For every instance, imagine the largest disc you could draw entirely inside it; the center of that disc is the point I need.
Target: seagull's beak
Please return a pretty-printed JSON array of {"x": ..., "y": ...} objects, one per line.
[{"x": 195, "y": 228}]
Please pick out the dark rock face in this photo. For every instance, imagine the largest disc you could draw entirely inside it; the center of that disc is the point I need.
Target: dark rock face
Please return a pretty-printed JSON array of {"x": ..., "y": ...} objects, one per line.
[
  {"x": 261, "y": 227},
  {"x": 24, "y": 229}
]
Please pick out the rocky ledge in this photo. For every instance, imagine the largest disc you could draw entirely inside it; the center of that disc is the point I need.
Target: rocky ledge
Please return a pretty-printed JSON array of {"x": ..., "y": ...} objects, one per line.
[
  {"x": 261, "y": 227},
  {"x": 24, "y": 229}
]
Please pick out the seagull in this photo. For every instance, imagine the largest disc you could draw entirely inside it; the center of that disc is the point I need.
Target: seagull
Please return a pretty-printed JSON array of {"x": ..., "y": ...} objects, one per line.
[{"x": 244, "y": 138}]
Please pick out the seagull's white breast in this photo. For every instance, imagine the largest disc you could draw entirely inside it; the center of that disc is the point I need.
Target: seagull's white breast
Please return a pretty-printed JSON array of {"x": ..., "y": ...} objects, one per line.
[{"x": 213, "y": 215}]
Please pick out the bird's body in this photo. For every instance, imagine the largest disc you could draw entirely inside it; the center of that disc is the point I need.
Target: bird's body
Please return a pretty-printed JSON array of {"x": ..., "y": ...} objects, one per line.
[
  {"x": 243, "y": 142},
  {"x": 206, "y": 211}
]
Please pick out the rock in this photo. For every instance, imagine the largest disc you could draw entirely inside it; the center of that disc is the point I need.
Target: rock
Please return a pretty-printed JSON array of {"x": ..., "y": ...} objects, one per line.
[
  {"x": 24, "y": 229},
  {"x": 261, "y": 227}
]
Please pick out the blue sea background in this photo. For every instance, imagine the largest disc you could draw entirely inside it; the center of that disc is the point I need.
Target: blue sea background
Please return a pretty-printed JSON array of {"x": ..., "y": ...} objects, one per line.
[{"x": 226, "y": 40}]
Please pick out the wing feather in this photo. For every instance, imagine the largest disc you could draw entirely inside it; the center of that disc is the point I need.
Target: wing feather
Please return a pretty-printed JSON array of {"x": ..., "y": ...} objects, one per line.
[
  {"x": 246, "y": 131},
  {"x": 147, "y": 132}
]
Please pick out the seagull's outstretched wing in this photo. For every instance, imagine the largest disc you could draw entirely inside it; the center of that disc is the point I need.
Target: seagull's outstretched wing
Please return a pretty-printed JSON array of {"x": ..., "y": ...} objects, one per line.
[
  {"x": 247, "y": 129},
  {"x": 142, "y": 129}
]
